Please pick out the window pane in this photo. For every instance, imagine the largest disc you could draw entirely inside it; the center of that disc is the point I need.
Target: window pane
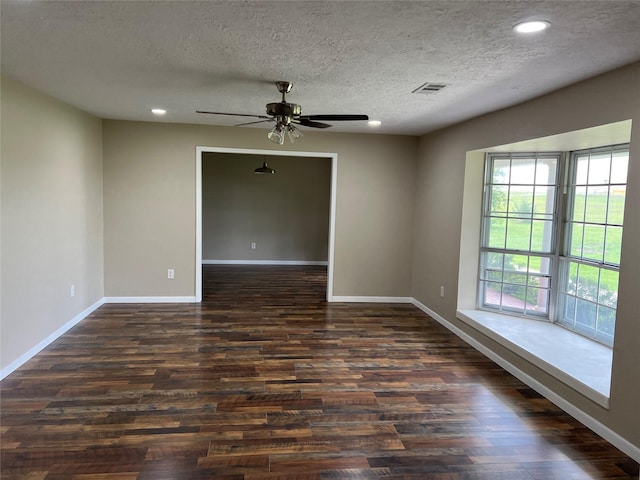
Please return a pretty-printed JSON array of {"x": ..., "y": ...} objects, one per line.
[
  {"x": 493, "y": 267},
  {"x": 615, "y": 212},
  {"x": 608, "y": 291},
  {"x": 593, "y": 246},
  {"x": 492, "y": 294},
  {"x": 613, "y": 245},
  {"x": 588, "y": 282},
  {"x": 497, "y": 232},
  {"x": 521, "y": 200},
  {"x": 569, "y": 313},
  {"x": 606, "y": 322},
  {"x": 580, "y": 195},
  {"x": 571, "y": 286},
  {"x": 516, "y": 263},
  {"x": 522, "y": 170},
  {"x": 537, "y": 300},
  {"x": 546, "y": 171},
  {"x": 499, "y": 195},
  {"x": 619, "y": 167},
  {"x": 575, "y": 249},
  {"x": 518, "y": 234},
  {"x": 501, "y": 170},
  {"x": 513, "y": 297},
  {"x": 544, "y": 202},
  {"x": 582, "y": 167},
  {"x": 596, "y": 211},
  {"x": 541, "y": 232},
  {"x": 539, "y": 265},
  {"x": 599, "y": 167},
  {"x": 586, "y": 316},
  {"x": 494, "y": 260}
]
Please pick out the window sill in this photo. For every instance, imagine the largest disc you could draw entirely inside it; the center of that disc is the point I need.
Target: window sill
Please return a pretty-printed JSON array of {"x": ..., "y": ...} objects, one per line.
[{"x": 580, "y": 363}]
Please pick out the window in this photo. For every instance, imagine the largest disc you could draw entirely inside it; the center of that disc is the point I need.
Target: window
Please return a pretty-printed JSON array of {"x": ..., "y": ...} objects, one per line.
[
  {"x": 590, "y": 261},
  {"x": 548, "y": 255},
  {"x": 518, "y": 243}
]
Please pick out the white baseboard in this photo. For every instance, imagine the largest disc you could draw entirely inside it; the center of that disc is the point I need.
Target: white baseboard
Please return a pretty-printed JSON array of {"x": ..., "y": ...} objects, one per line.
[
  {"x": 150, "y": 300},
  {"x": 372, "y": 299},
  {"x": 264, "y": 262},
  {"x": 13, "y": 366},
  {"x": 590, "y": 422}
]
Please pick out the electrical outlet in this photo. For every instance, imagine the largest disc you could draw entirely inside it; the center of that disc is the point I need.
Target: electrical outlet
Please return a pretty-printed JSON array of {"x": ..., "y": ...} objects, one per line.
[
  {"x": 441, "y": 291},
  {"x": 171, "y": 273},
  {"x": 253, "y": 245},
  {"x": 72, "y": 292}
]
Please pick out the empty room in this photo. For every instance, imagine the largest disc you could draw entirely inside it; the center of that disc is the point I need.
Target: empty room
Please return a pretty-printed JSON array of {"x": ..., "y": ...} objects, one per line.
[{"x": 320, "y": 239}]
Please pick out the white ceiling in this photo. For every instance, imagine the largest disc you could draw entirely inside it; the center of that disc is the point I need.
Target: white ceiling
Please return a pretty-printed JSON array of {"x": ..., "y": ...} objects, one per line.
[{"x": 117, "y": 59}]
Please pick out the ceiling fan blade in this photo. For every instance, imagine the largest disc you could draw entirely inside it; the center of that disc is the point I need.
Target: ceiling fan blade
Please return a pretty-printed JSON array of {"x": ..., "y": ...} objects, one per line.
[
  {"x": 233, "y": 114},
  {"x": 251, "y": 123},
  {"x": 310, "y": 123},
  {"x": 335, "y": 118}
]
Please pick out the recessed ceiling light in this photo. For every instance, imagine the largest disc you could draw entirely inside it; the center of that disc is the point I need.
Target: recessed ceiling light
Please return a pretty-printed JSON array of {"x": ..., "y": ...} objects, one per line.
[
  {"x": 532, "y": 27},
  {"x": 374, "y": 123},
  {"x": 158, "y": 111}
]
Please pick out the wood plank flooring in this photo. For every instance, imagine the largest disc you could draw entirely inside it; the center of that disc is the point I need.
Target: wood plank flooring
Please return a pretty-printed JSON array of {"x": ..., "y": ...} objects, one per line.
[{"x": 265, "y": 380}]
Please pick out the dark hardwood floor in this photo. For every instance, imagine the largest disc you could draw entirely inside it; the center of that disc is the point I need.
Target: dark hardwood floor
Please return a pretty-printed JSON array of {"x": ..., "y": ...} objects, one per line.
[{"x": 265, "y": 380}]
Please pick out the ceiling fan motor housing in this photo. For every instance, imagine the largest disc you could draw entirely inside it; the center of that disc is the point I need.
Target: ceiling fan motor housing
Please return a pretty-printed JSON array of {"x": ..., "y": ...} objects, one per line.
[{"x": 283, "y": 109}]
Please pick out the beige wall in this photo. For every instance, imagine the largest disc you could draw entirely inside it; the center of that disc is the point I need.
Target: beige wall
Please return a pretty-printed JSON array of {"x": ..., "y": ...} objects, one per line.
[
  {"x": 609, "y": 98},
  {"x": 286, "y": 214},
  {"x": 149, "y": 205},
  {"x": 51, "y": 216}
]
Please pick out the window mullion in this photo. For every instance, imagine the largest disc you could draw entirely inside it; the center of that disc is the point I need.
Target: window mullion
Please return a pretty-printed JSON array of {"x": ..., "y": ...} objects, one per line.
[{"x": 560, "y": 220}]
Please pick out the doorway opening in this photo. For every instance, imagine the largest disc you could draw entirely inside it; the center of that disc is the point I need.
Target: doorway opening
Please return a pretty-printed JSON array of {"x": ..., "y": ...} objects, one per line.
[{"x": 262, "y": 156}]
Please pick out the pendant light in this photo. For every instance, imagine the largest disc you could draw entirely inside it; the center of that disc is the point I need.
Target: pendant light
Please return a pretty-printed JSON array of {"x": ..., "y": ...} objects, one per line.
[{"x": 264, "y": 169}]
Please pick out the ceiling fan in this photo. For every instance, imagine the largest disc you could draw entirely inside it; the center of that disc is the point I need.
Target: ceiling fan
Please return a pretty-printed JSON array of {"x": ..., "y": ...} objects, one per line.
[{"x": 287, "y": 115}]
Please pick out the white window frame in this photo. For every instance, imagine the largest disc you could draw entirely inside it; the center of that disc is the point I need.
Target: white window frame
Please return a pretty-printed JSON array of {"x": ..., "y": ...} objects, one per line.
[
  {"x": 552, "y": 255},
  {"x": 566, "y": 257}
]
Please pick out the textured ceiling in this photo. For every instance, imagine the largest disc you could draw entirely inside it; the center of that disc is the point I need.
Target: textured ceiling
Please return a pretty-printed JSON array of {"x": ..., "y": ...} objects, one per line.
[{"x": 117, "y": 59}]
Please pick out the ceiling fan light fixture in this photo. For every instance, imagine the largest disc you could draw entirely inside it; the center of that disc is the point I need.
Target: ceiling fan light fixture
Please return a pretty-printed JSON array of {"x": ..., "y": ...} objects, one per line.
[
  {"x": 158, "y": 111},
  {"x": 276, "y": 134},
  {"x": 293, "y": 133},
  {"x": 374, "y": 123}
]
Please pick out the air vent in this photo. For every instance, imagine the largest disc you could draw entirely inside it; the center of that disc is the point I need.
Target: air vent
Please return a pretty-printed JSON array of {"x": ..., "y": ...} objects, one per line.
[{"x": 430, "y": 88}]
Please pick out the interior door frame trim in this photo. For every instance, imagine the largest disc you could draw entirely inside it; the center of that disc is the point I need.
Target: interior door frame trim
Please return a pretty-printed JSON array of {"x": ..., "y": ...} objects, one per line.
[{"x": 200, "y": 150}]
